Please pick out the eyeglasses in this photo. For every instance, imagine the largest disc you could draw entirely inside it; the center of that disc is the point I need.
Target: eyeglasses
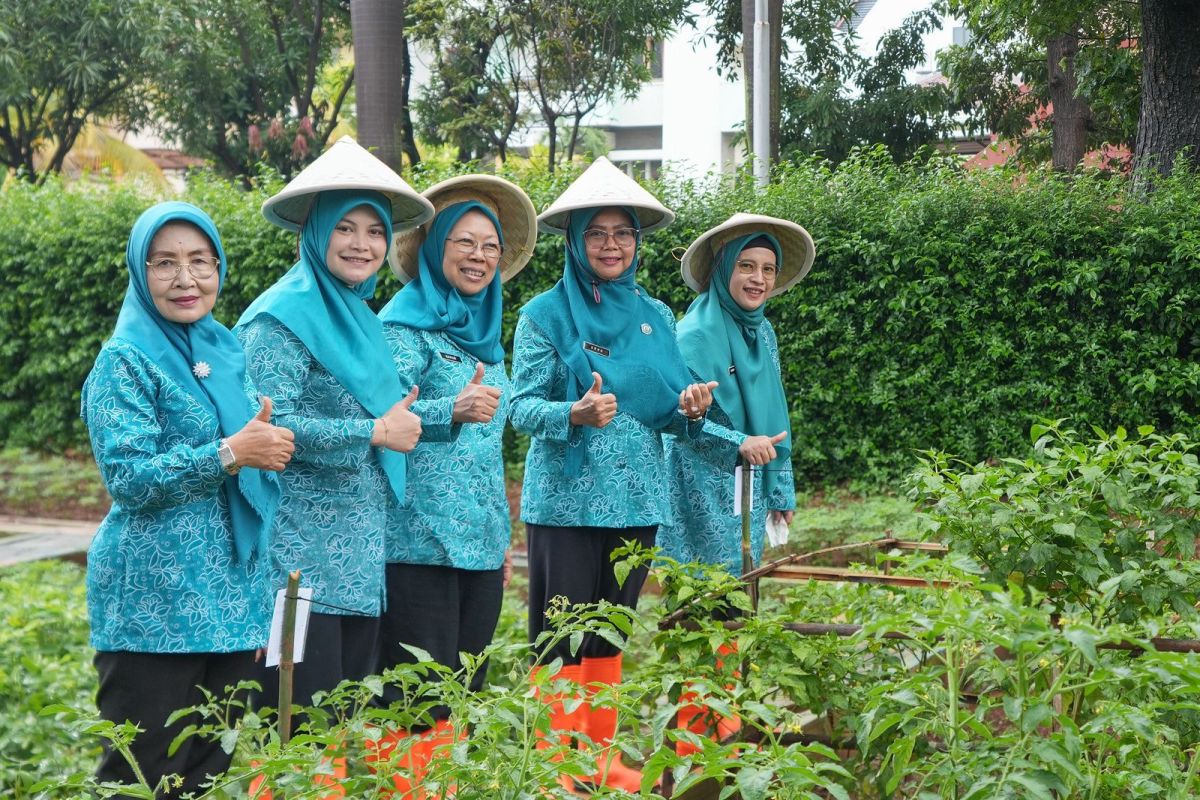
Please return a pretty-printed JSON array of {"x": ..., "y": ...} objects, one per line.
[
  {"x": 466, "y": 245},
  {"x": 769, "y": 271},
  {"x": 595, "y": 238},
  {"x": 168, "y": 269}
]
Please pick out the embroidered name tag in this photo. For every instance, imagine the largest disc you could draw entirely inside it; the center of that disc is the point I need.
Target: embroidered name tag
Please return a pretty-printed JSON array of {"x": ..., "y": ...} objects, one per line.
[
  {"x": 597, "y": 349},
  {"x": 451, "y": 357}
]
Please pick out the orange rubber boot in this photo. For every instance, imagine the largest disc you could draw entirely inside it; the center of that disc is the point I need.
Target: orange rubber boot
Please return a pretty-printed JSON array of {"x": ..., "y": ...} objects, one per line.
[
  {"x": 562, "y": 722},
  {"x": 697, "y": 718},
  {"x": 333, "y": 781},
  {"x": 601, "y": 726}
]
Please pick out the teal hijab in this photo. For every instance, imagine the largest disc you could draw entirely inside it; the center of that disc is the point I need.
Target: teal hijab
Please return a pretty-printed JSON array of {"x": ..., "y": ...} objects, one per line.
[
  {"x": 332, "y": 319},
  {"x": 252, "y": 495},
  {"x": 611, "y": 328},
  {"x": 431, "y": 303},
  {"x": 720, "y": 342}
]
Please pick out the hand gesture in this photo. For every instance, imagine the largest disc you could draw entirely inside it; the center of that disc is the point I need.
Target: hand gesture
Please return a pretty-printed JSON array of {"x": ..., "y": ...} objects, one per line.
[
  {"x": 595, "y": 408},
  {"x": 260, "y": 444},
  {"x": 476, "y": 402},
  {"x": 760, "y": 450},
  {"x": 696, "y": 398},
  {"x": 785, "y": 517},
  {"x": 399, "y": 429}
]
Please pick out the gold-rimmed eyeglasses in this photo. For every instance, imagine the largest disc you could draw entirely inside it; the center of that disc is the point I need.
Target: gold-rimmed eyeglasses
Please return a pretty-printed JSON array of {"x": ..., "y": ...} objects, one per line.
[
  {"x": 769, "y": 271},
  {"x": 467, "y": 246},
  {"x": 595, "y": 238},
  {"x": 168, "y": 269}
]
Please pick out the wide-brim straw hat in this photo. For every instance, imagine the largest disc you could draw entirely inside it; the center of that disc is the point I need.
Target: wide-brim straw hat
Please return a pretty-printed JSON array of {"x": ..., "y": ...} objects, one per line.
[
  {"x": 795, "y": 260},
  {"x": 602, "y": 185},
  {"x": 510, "y": 204},
  {"x": 346, "y": 165}
]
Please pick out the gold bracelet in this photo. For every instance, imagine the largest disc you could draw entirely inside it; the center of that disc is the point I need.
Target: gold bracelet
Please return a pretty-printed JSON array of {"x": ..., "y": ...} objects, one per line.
[{"x": 383, "y": 422}]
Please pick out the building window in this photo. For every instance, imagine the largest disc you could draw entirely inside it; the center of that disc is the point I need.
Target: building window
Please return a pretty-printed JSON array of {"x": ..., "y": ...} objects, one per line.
[
  {"x": 641, "y": 137},
  {"x": 960, "y": 35}
]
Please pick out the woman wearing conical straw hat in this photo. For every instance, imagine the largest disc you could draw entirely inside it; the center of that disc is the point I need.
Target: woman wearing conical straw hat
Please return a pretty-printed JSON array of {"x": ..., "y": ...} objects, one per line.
[
  {"x": 734, "y": 267},
  {"x": 447, "y": 543},
  {"x": 598, "y": 378},
  {"x": 177, "y": 575},
  {"x": 319, "y": 351}
]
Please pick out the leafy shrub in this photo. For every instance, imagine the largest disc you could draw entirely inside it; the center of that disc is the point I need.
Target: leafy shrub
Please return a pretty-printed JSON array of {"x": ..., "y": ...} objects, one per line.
[
  {"x": 44, "y": 661},
  {"x": 1107, "y": 524},
  {"x": 946, "y": 309}
]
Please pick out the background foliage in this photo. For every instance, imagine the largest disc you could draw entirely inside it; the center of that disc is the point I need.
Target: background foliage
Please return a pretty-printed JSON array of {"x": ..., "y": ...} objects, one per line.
[{"x": 945, "y": 311}]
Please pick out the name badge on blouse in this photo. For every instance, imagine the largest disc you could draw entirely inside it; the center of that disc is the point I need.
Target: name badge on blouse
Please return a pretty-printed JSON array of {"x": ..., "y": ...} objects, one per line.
[
  {"x": 732, "y": 369},
  {"x": 597, "y": 349},
  {"x": 451, "y": 358}
]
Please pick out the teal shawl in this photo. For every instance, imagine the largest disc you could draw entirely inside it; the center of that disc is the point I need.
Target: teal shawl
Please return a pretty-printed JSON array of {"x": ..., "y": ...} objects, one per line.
[
  {"x": 332, "y": 319},
  {"x": 431, "y": 303},
  {"x": 253, "y": 495},
  {"x": 640, "y": 361},
  {"x": 718, "y": 337}
]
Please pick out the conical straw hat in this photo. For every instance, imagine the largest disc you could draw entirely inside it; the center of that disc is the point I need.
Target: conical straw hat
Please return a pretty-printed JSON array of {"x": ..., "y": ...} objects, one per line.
[
  {"x": 507, "y": 201},
  {"x": 602, "y": 185},
  {"x": 346, "y": 165},
  {"x": 795, "y": 260}
]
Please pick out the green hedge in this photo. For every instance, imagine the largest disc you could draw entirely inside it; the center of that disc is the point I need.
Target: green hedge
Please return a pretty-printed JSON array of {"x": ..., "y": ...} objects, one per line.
[{"x": 946, "y": 309}]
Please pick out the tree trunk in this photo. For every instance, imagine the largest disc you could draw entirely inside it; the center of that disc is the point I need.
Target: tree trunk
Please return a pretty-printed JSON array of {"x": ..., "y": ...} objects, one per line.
[
  {"x": 378, "y": 30},
  {"x": 1170, "y": 114},
  {"x": 552, "y": 129},
  {"x": 1071, "y": 113},
  {"x": 408, "y": 137}
]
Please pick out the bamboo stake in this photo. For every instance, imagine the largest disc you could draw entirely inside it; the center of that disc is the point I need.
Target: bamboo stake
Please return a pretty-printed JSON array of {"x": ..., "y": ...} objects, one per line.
[
  {"x": 747, "y": 551},
  {"x": 286, "y": 663}
]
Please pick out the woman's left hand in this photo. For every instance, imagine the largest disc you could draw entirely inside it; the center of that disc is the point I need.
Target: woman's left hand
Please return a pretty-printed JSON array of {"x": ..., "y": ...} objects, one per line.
[
  {"x": 785, "y": 517},
  {"x": 695, "y": 399}
]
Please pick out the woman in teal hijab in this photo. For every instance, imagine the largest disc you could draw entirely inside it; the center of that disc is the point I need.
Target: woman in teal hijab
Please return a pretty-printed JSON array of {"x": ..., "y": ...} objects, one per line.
[
  {"x": 177, "y": 575},
  {"x": 598, "y": 380},
  {"x": 725, "y": 334},
  {"x": 447, "y": 543},
  {"x": 315, "y": 343}
]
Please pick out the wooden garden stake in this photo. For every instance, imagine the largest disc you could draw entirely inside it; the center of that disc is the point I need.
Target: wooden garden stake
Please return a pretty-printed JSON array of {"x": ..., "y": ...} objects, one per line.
[
  {"x": 747, "y": 551},
  {"x": 286, "y": 664}
]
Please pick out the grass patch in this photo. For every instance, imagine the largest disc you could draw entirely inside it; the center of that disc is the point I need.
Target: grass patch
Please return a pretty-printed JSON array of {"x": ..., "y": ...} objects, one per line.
[{"x": 37, "y": 485}]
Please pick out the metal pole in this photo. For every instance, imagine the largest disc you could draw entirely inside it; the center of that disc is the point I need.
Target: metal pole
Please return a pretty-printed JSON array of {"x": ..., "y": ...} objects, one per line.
[
  {"x": 761, "y": 102},
  {"x": 286, "y": 664}
]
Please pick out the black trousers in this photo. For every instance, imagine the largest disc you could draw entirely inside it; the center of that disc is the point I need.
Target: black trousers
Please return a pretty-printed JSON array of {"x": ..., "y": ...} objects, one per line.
[
  {"x": 338, "y": 648},
  {"x": 576, "y": 563},
  {"x": 442, "y": 610},
  {"x": 146, "y": 688}
]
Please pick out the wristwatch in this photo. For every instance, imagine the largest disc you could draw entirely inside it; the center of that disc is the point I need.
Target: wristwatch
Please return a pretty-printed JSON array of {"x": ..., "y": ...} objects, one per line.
[{"x": 228, "y": 459}]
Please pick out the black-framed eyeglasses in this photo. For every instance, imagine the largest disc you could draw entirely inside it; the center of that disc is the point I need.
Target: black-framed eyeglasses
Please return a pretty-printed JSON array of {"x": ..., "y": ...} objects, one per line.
[
  {"x": 596, "y": 238},
  {"x": 168, "y": 269},
  {"x": 769, "y": 271},
  {"x": 466, "y": 245}
]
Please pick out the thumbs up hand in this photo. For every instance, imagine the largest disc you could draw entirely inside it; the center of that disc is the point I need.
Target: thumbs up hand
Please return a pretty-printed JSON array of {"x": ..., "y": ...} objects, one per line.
[
  {"x": 260, "y": 444},
  {"x": 399, "y": 429},
  {"x": 476, "y": 402},
  {"x": 595, "y": 409},
  {"x": 760, "y": 450},
  {"x": 695, "y": 399}
]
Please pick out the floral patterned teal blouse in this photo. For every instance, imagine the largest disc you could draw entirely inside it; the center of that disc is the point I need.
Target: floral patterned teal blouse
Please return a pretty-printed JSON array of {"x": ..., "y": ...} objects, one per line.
[
  {"x": 162, "y": 576},
  {"x": 455, "y": 511},
  {"x": 334, "y": 504},
  {"x": 622, "y": 483},
  {"x": 704, "y": 527}
]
